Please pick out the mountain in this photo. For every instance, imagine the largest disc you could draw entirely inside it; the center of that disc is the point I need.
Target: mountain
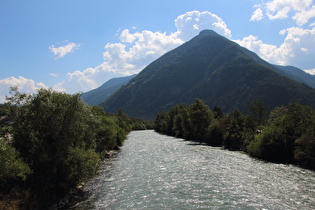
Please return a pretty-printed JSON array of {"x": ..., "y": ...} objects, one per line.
[
  {"x": 288, "y": 71},
  {"x": 296, "y": 74},
  {"x": 98, "y": 95},
  {"x": 212, "y": 68}
]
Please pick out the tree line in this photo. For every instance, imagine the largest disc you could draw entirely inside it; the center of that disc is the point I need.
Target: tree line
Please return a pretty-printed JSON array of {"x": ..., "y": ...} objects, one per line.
[
  {"x": 51, "y": 142},
  {"x": 286, "y": 134}
]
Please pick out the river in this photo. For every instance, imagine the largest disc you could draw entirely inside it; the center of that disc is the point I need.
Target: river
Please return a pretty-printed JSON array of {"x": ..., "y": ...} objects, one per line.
[{"x": 154, "y": 171}]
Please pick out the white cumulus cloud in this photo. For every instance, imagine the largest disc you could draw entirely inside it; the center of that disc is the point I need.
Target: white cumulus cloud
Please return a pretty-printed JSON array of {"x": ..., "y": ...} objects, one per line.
[
  {"x": 90, "y": 78},
  {"x": 129, "y": 56},
  {"x": 297, "y": 49},
  {"x": 257, "y": 15},
  {"x": 304, "y": 16},
  {"x": 25, "y": 85},
  {"x": 301, "y": 11},
  {"x": 60, "y": 52},
  {"x": 135, "y": 50},
  {"x": 191, "y": 23}
]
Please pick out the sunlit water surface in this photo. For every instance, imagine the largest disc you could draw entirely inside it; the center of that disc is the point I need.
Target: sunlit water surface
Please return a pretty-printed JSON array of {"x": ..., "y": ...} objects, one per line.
[{"x": 154, "y": 171}]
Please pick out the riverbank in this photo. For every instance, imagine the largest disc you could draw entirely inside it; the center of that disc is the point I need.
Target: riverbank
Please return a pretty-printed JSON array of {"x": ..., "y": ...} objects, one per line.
[
  {"x": 18, "y": 198},
  {"x": 51, "y": 142},
  {"x": 285, "y": 135}
]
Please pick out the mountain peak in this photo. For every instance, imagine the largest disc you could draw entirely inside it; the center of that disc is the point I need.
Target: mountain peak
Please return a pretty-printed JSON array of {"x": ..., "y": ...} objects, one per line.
[
  {"x": 212, "y": 68},
  {"x": 207, "y": 32}
]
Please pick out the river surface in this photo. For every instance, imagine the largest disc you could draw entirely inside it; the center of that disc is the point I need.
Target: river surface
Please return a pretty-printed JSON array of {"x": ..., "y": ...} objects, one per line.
[{"x": 154, "y": 171}]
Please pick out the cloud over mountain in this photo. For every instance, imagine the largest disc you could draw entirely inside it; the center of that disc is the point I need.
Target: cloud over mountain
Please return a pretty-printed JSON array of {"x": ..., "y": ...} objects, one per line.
[
  {"x": 135, "y": 50},
  {"x": 298, "y": 47},
  {"x": 191, "y": 23}
]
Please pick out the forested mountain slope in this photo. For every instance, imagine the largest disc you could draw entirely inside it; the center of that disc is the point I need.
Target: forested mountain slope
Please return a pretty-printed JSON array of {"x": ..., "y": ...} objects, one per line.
[
  {"x": 212, "y": 68},
  {"x": 100, "y": 94}
]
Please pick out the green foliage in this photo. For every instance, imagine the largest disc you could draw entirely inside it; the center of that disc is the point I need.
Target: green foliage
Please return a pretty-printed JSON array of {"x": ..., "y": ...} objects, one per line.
[
  {"x": 195, "y": 122},
  {"x": 139, "y": 124},
  {"x": 59, "y": 138},
  {"x": 49, "y": 127},
  {"x": 200, "y": 119},
  {"x": 12, "y": 167},
  {"x": 305, "y": 150},
  {"x": 276, "y": 115},
  {"x": 304, "y": 153},
  {"x": 107, "y": 134},
  {"x": 80, "y": 165},
  {"x": 216, "y": 132},
  {"x": 162, "y": 123},
  {"x": 240, "y": 130},
  {"x": 287, "y": 136},
  {"x": 298, "y": 119},
  {"x": 181, "y": 122},
  {"x": 257, "y": 111},
  {"x": 124, "y": 121},
  {"x": 271, "y": 145}
]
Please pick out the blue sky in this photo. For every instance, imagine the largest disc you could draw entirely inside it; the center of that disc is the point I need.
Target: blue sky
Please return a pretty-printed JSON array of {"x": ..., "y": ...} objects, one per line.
[{"x": 77, "y": 45}]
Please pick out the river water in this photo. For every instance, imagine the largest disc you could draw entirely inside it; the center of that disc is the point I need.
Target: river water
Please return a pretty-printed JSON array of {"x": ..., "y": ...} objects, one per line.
[{"x": 154, "y": 171}]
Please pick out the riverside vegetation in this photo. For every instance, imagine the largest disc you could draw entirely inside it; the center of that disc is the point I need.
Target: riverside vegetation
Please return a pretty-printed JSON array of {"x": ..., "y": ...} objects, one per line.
[
  {"x": 286, "y": 134},
  {"x": 52, "y": 142}
]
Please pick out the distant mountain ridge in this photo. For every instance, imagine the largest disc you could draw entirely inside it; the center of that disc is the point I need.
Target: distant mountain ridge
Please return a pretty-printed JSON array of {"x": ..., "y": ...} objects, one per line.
[
  {"x": 296, "y": 74},
  {"x": 288, "y": 71},
  {"x": 100, "y": 94},
  {"x": 212, "y": 68}
]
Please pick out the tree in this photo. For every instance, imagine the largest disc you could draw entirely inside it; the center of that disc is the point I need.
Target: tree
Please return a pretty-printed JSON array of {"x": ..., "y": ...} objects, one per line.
[
  {"x": 257, "y": 110},
  {"x": 287, "y": 137},
  {"x": 49, "y": 130},
  {"x": 162, "y": 123},
  {"x": 235, "y": 131},
  {"x": 216, "y": 132},
  {"x": 181, "y": 124},
  {"x": 276, "y": 114},
  {"x": 172, "y": 115},
  {"x": 200, "y": 119},
  {"x": 217, "y": 112},
  {"x": 12, "y": 168},
  {"x": 304, "y": 153},
  {"x": 124, "y": 121},
  {"x": 271, "y": 145}
]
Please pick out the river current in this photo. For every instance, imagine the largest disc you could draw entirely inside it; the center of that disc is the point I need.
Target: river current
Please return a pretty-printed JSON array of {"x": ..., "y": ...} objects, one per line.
[{"x": 154, "y": 171}]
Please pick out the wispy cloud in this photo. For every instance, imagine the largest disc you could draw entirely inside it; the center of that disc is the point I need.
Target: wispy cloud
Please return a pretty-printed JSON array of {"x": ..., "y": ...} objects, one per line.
[
  {"x": 60, "y": 52},
  {"x": 300, "y": 11}
]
